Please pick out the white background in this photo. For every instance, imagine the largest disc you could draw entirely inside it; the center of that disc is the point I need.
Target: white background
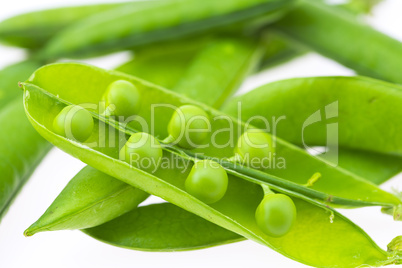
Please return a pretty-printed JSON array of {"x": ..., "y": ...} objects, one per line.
[{"x": 74, "y": 249}]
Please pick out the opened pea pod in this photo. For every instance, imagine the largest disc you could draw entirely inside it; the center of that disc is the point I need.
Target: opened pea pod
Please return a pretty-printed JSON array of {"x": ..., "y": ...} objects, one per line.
[
  {"x": 293, "y": 177},
  {"x": 169, "y": 183},
  {"x": 236, "y": 58}
]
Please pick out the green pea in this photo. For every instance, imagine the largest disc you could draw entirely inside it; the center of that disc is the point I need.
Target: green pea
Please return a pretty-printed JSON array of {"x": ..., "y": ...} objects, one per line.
[
  {"x": 255, "y": 148},
  {"x": 189, "y": 126},
  {"x": 276, "y": 214},
  {"x": 207, "y": 181},
  {"x": 142, "y": 151},
  {"x": 74, "y": 122},
  {"x": 122, "y": 98}
]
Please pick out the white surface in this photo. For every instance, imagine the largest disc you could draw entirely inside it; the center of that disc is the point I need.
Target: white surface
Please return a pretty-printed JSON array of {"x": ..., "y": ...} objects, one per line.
[{"x": 74, "y": 249}]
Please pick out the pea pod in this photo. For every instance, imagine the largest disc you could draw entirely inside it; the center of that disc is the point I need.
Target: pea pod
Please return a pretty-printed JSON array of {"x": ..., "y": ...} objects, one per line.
[
  {"x": 308, "y": 25},
  {"x": 220, "y": 67},
  {"x": 168, "y": 228},
  {"x": 126, "y": 27},
  {"x": 33, "y": 30},
  {"x": 151, "y": 63},
  {"x": 374, "y": 167},
  {"x": 10, "y": 76},
  {"x": 235, "y": 211},
  {"x": 352, "y": 99},
  {"x": 307, "y": 243},
  {"x": 19, "y": 154},
  {"x": 63, "y": 213},
  {"x": 363, "y": 193}
]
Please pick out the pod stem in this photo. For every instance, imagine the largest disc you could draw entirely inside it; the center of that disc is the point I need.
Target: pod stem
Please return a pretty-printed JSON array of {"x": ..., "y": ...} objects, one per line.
[
  {"x": 395, "y": 211},
  {"x": 169, "y": 139},
  {"x": 266, "y": 189},
  {"x": 316, "y": 176}
]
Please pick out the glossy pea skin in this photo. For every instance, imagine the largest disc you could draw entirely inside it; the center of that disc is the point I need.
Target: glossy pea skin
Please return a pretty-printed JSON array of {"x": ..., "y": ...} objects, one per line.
[
  {"x": 231, "y": 214},
  {"x": 207, "y": 181},
  {"x": 189, "y": 126},
  {"x": 74, "y": 122},
  {"x": 254, "y": 147},
  {"x": 34, "y": 29},
  {"x": 129, "y": 26},
  {"x": 308, "y": 25},
  {"x": 142, "y": 151},
  {"x": 122, "y": 98},
  {"x": 276, "y": 214}
]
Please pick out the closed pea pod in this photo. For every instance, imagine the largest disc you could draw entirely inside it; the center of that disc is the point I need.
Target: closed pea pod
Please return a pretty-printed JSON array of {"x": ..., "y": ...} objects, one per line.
[
  {"x": 308, "y": 25},
  {"x": 128, "y": 26},
  {"x": 348, "y": 99},
  {"x": 10, "y": 76},
  {"x": 20, "y": 152},
  {"x": 32, "y": 30}
]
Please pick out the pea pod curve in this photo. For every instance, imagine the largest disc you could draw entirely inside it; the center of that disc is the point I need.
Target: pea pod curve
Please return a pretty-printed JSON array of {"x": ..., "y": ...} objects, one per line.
[
  {"x": 234, "y": 181},
  {"x": 9, "y": 78},
  {"x": 32, "y": 30},
  {"x": 309, "y": 22},
  {"x": 370, "y": 195},
  {"x": 126, "y": 27},
  {"x": 63, "y": 213},
  {"x": 315, "y": 241},
  {"x": 21, "y": 153},
  {"x": 351, "y": 99},
  {"x": 240, "y": 204}
]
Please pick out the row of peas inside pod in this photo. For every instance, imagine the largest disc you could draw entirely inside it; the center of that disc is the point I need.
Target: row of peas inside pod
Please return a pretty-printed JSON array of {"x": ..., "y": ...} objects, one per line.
[{"x": 187, "y": 128}]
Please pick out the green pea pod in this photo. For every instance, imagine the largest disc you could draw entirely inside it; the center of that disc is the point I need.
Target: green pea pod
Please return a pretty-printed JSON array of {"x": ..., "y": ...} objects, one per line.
[
  {"x": 83, "y": 200},
  {"x": 65, "y": 214},
  {"x": 234, "y": 212},
  {"x": 19, "y": 153},
  {"x": 347, "y": 99},
  {"x": 316, "y": 240},
  {"x": 308, "y": 25},
  {"x": 374, "y": 167},
  {"x": 278, "y": 50},
  {"x": 10, "y": 76},
  {"x": 281, "y": 50},
  {"x": 33, "y": 30},
  {"x": 167, "y": 228},
  {"x": 336, "y": 186},
  {"x": 220, "y": 68},
  {"x": 126, "y": 27},
  {"x": 151, "y": 63}
]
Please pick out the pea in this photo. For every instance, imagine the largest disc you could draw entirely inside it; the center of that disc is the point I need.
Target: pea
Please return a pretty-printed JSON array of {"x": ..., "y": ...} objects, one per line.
[
  {"x": 189, "y": 126},
  {"x": 74, "y": 122},
  {"x": 255, "y": 148},
  {"x": 142, "y": 151},
  {"x": 276, "y": 214},
  {"x": 122, "y": 98},
  {"x": 207, "y": 181}
]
